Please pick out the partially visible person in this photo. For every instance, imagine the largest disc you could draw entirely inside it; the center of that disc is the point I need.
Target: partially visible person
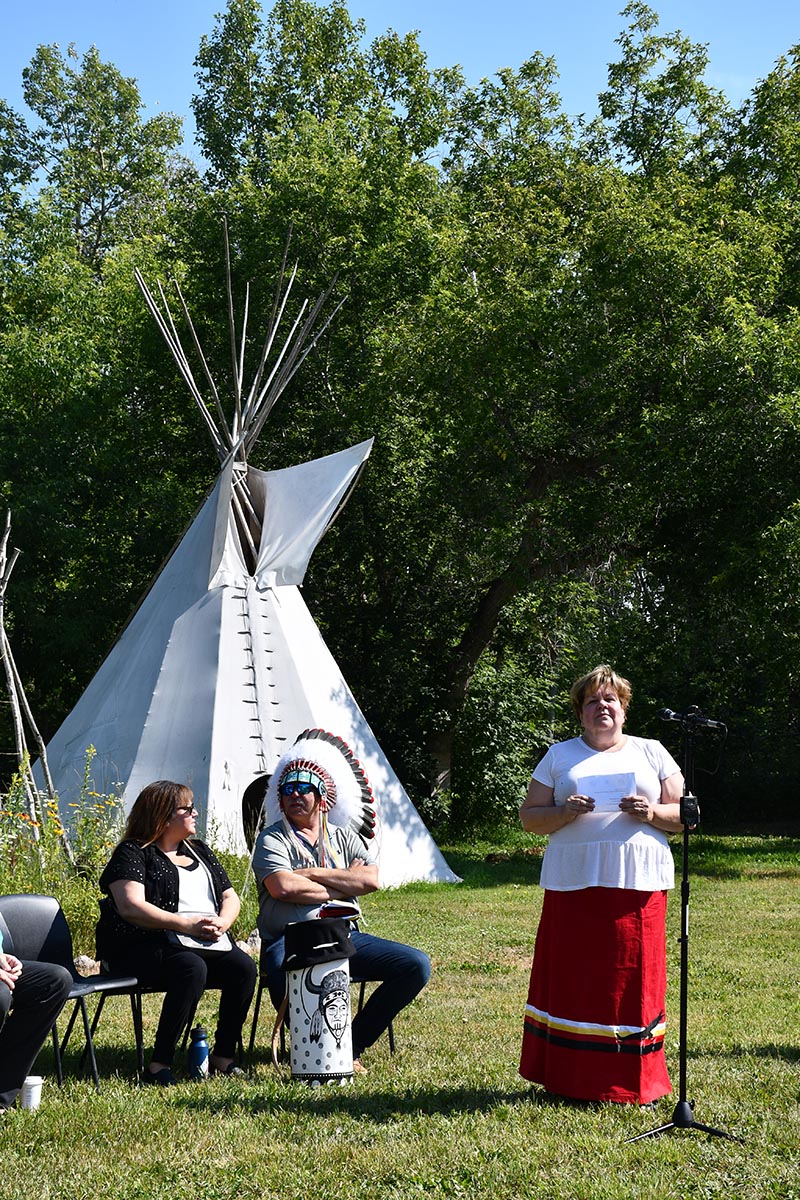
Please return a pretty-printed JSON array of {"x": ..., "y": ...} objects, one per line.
[
  {"x": 168, "y": 908},
  {"x": 32, "y": 995},
  {"x": 311, "y": 855},
  {"x": 596, "y": 1015}
]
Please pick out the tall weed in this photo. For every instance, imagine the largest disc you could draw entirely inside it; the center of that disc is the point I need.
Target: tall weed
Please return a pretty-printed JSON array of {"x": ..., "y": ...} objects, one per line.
[{"x": 33, "y": 856}]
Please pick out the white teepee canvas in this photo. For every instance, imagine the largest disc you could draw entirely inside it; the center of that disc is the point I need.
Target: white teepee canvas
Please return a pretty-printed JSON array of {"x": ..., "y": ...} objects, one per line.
[{"x": 222, "y": 666}]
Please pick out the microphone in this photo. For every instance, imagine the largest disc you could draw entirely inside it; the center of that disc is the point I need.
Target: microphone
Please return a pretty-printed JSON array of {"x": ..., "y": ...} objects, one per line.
[{"x": 693, "y": 717}]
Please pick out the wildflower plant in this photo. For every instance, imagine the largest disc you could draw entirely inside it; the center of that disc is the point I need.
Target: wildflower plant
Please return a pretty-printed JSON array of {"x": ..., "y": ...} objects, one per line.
[
  {"x": 32, "y": 852},
  {"x": 95, "y": 823}
]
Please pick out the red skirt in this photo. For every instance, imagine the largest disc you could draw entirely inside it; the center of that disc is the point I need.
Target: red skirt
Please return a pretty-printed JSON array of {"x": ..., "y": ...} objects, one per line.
[{"x": 595, "y": 1018}]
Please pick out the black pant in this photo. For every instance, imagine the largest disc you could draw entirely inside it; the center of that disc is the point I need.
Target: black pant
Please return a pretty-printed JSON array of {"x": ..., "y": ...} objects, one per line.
[
  {"x": 27, "y": 1014},
  {"x": 184, "y": 975}
]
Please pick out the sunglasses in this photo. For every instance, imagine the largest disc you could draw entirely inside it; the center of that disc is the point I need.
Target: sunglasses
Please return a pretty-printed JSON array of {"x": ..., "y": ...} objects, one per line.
[
  {"x": 302, "y": 789},
  {"x": 186, "y": 810}
]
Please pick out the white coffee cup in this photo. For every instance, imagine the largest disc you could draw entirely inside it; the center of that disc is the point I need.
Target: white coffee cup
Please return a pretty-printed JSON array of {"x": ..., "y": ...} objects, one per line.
[{"x": 31, "y": 1092}]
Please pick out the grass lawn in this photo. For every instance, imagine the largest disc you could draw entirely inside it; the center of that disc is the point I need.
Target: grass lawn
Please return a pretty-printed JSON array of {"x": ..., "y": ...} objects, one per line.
[{"x": 448, "y": 1115}]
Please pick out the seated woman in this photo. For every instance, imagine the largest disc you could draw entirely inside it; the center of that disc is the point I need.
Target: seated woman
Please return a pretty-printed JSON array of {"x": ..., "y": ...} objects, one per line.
[{"x": 168, "y": 908}]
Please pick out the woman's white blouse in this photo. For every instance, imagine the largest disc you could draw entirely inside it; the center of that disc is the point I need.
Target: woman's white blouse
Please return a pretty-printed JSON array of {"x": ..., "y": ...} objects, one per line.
[{"x": 607, "y": 848}]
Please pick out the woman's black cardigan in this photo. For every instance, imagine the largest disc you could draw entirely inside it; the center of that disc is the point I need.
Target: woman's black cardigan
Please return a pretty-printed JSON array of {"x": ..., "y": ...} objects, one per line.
[{"x": 150, "y": 866}]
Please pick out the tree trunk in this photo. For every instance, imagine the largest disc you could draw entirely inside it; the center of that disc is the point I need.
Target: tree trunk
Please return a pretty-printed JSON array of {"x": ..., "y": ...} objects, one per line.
[{"x": 521, "y": 571}]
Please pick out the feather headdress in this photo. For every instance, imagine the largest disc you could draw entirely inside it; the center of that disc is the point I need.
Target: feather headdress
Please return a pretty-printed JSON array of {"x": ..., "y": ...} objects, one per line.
[{"x": 346, "y": 795}]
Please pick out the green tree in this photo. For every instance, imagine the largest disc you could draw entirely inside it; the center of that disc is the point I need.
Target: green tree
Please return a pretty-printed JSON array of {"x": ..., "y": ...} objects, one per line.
[
  {"x": 659, "y": 109},
  {"x": 262, "y": 84},
  {"x": 99, "y": 165},
  {"x": 557, "y": 339},
  {"x": 85, "y": 402}
]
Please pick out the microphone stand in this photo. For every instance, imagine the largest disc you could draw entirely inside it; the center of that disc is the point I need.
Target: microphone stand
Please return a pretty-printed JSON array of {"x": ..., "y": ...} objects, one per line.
[{"x": 683, "y": 1113}]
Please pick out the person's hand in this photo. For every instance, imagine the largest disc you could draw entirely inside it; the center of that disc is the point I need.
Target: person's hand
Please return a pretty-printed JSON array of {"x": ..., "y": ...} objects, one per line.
[
  {"x": 207, "y": 927},
  {"x": 358, "y": 862},
  {"x": 638, "y": 807},
  {"x": 577, "y": 804},
  {"x": 10, "y": 970}
]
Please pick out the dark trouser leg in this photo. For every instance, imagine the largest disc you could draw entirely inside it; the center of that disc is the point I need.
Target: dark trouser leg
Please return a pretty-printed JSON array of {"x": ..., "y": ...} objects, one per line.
[
  {"x": 271, "y": 959},
  {"x": 403, "y": 972},
  {"x": 37, "y": 999},
  {"x": 181, "y": 974},
  {"x": 183, "y": 977},
  {"x": 234, "y": 973}
]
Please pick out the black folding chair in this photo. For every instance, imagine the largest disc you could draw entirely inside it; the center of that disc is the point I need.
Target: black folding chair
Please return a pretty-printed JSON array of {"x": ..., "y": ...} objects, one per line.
[{"x": 34, "y": 927}]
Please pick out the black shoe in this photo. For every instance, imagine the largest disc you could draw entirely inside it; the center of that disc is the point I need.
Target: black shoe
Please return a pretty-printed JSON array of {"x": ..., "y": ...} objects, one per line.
[
  {"x": 231, "y": 1069},
  {"x": 162, "y": 1078}
]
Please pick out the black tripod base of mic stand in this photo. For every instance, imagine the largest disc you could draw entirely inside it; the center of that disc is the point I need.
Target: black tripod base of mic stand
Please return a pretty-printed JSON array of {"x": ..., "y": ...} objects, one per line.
[
  {"x": 682, "y": 1115},
  {"x": 683, "y": 1118}
]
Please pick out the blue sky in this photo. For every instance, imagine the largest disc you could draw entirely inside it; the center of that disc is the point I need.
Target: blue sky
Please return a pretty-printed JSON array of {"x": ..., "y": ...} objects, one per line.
[{"x": 155, "y": 41}]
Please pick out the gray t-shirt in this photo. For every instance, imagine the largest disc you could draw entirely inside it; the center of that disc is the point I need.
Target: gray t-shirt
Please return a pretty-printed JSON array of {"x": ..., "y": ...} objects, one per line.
[{"x": 279, "y": 850}]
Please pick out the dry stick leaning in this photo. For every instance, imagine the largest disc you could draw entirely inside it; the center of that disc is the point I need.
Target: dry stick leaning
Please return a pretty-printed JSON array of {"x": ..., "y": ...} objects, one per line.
[{"x": 21, "y": 712}]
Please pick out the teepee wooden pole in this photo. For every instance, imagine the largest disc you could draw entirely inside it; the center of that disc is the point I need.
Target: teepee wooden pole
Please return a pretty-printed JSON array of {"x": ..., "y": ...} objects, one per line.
[
  {"x": 244, "y": 495},
  {"x": 242, "y": 344},
  {"x": 21, "y": 712},
  {"x": 237, "y": 383},
  {"x": 243, "y": 524},
  {"x": 170, "y": 335},
  {"x": 223, "y": 423},
  {"x": 279, "y": 298},
  {"x": 276, "y": 316},
  {"x": 278, "y": 384}
]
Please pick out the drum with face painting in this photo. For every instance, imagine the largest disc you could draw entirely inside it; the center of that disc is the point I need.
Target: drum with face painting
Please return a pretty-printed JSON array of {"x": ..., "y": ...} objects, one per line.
[{"x": 318, "y": 994}]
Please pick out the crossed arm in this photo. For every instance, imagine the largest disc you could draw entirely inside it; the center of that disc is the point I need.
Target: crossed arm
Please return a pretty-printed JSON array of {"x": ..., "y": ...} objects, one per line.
[{"x": 314, "y": 885}]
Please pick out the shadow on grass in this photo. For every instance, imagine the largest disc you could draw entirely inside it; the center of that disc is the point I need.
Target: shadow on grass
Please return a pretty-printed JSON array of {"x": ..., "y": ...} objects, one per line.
[
  {"x": 496, "y": 868},
  {"x": 298, "y": 1098},
  {"x": 330, "y": 1100},
  {"x": 771, "y": 1050},
  {"x": 741, "y": 856}
]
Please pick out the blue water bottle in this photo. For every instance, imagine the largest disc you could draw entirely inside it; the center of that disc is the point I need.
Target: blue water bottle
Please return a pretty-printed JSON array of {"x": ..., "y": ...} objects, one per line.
[{"x": 198, "y": 1054}]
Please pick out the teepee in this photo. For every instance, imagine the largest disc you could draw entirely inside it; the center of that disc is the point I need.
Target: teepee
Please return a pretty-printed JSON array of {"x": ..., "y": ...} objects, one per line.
[{"x": 222, "y": 666}]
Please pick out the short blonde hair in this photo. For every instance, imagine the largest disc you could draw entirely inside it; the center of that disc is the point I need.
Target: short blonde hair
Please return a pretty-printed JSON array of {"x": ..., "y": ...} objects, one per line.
[{"x": 602, "y": 676}]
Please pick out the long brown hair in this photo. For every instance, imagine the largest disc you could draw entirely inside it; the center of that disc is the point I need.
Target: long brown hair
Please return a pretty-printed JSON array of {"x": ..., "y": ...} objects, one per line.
[{"x": 153, "y": 810}]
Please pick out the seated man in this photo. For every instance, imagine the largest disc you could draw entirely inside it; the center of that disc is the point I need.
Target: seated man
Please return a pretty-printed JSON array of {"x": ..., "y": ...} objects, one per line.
[
  {"x": 310, "y": 854},
  {"x": 32, "y": 995}
]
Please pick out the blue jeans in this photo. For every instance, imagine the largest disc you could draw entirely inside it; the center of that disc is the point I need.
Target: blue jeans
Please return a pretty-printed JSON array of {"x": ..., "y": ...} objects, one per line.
[{"x": 401, "y": 970}]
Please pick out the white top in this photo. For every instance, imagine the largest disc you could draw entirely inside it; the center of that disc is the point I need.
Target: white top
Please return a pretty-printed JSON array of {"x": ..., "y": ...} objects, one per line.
[
  {"x": 607, "y": 848},
  {"x": 195, "y": 894}
]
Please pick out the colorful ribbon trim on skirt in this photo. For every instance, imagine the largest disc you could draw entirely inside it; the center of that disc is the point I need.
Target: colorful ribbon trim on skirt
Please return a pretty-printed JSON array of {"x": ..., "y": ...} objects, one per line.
[{"x": 587, "y": 1035}]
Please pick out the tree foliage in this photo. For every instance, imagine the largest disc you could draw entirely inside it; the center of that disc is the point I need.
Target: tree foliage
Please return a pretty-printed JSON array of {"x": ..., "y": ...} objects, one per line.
[{"x": 575, "y": 343}]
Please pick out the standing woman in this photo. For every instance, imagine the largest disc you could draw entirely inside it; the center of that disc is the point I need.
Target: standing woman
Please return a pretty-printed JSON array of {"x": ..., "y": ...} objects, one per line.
[
  {"x": 595, "y": 1019},
  {"x": 168, "y": 908}
]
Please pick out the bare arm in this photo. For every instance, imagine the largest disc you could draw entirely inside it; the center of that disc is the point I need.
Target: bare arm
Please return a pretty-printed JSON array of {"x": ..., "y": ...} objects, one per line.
[
  {"x": 540, "y": 814},
  {"x": 129, "y": 898},
  {"x": 229, "y": 909},
  {"x": 315, "y": 885}
]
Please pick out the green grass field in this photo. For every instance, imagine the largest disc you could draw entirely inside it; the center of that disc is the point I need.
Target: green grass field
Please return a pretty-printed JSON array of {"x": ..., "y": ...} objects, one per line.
[{"x": 448, "y": 1115}]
